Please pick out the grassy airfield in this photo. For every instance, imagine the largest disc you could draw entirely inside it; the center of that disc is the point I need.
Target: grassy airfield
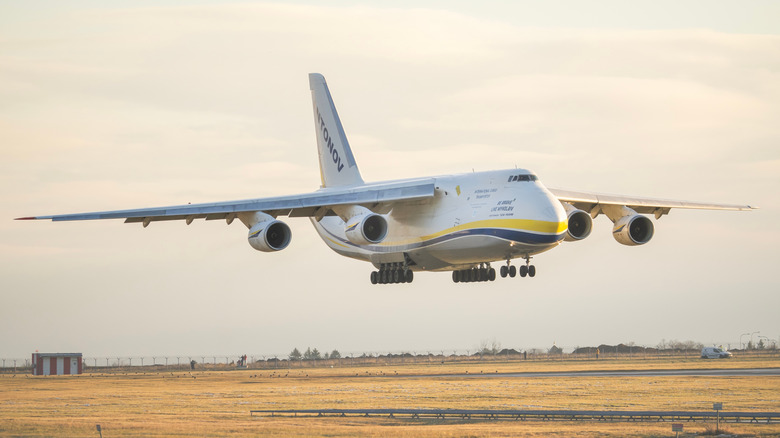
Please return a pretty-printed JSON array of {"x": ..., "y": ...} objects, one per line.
[{"x": 217, "y": 403}]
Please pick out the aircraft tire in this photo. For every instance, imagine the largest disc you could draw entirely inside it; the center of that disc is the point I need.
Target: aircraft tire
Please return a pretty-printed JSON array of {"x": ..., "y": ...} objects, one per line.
[
  {"x": 491, "y": 274},
  {"x": 409, "y": 276},
  {"x": 523, "y": 270},
  {"x": 374, "y": 276},
  {"x": 504, "y": 271},
  {"x": 396, "y": 276},
  {"x": 472, "y": 275},
  {"x": 531, "y": 271},
  {"x": 512, "y": 271}
]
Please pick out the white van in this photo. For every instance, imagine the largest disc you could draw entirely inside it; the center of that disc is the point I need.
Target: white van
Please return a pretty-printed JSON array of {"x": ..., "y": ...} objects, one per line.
[{"x": 714, "y": 353}]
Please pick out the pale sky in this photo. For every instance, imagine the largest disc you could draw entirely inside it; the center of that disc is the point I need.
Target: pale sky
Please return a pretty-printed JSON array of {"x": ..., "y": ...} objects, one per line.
[{"x": 115, "y": 105}]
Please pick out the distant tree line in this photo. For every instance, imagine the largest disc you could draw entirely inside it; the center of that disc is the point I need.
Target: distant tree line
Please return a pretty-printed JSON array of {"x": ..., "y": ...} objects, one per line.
[
  {"x": 760, "y": 345},
  {"x": 664, "y": 345},
  {"x": 313, "y": 354},
  {"x": 679, "y": 345},
  {"x": 493, "y": 348}
]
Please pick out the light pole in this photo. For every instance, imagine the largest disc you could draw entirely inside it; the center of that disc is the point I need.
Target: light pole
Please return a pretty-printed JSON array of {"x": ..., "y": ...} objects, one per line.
[
  {"x": 741, "y": 345},
  {"x": 751, "y": 338}
]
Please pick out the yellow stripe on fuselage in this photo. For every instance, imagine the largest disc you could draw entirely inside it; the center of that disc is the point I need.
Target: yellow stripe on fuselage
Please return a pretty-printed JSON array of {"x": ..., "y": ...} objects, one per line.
[
  {"x": 528, "y": 225},
  {"x": 534, "y": 226}
]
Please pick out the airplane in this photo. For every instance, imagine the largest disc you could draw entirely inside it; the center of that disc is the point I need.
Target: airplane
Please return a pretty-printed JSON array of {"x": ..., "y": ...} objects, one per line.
[{"x": 459, "y": 223}]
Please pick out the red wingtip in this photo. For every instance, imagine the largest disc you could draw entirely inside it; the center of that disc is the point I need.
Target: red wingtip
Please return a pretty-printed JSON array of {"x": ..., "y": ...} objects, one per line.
[{"x": 30, "y": 218}]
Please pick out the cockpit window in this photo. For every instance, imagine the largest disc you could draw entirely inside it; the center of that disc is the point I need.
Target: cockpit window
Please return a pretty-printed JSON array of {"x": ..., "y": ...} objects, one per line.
[{"x": 526, "y": 177}]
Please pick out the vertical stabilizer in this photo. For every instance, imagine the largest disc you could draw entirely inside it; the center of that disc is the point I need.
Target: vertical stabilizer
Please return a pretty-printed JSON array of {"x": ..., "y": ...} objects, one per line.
[{"x": 337, "y": 164}]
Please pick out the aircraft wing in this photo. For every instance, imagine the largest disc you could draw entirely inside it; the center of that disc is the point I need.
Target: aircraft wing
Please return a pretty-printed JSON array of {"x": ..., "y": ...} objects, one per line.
[
  {"x": 589, "y": 201},
  {"x": 303, "y": 205}
]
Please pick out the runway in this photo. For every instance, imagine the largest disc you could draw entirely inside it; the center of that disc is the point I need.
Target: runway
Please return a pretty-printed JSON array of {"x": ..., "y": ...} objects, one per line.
[{"x": 735, "y": 372}]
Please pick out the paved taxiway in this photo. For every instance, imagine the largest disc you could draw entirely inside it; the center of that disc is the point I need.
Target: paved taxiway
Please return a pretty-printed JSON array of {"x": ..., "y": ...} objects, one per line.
[{"x": 736, "y": 372}]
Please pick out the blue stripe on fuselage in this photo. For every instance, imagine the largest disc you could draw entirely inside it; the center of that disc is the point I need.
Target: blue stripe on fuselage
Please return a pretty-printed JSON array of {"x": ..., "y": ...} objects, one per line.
[{"x": 523, "y": 237}]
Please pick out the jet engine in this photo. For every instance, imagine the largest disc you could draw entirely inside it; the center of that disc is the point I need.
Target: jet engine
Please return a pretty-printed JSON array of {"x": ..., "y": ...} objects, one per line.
[
  {"x": 580, "y": 223},
  {"x": 367, "y": 228},
  {"x": 633, "y": 230},
  {"x": 269, "y": 235}
]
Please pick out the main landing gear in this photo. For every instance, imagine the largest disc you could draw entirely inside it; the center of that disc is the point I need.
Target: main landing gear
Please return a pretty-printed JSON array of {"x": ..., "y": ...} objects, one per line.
[
  {"x": 483, "y": 273},
  {"x": 392, "y": 273},
  {"x": 526, "y": 270}
]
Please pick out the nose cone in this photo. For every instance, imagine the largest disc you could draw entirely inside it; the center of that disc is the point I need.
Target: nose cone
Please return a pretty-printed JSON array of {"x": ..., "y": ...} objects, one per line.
[{"x": 552, "y": 213}]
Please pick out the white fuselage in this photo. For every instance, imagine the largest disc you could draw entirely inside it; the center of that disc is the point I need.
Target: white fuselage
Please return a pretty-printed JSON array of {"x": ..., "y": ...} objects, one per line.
[{"x": 471, "y": 219}]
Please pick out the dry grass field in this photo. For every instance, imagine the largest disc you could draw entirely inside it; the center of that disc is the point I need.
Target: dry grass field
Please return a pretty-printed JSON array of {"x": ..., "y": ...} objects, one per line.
[{"x": 217, "y": 403}]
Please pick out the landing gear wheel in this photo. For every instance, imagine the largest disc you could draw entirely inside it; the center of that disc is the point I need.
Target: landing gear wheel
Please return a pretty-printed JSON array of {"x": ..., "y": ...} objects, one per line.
[
  {"x": 455, "y": 276},
  {"x": 512, "y": 271},
  {"x": 409, "y": 276},
  {"x": 483, "y": 274},
  {"x": 504, "y": 271},
  {"x": 396, "y": 276},
  {"x": 374, "y": 276},
  {"x": 523, "y": 271},
  {"x": 531, "y": 271},
  {"x": 491, "y": 274}
]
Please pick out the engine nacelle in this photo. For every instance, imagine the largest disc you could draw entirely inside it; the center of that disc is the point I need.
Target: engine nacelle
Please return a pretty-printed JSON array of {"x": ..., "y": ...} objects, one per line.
[
  {"x": 269, "y": 235},
  {"x": 580, "y": 223},
  {"x": 633, "y": 230},
  {"x": 367, "y": 228}
]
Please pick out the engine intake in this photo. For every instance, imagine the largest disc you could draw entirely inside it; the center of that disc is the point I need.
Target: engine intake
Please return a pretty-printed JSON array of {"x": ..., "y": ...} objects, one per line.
[
  {"x": 271, "y": 235},
  {"x": 580, "y": 223},
  {"x": 633, "y": 230},
  {"x": 367, "y": 228}
]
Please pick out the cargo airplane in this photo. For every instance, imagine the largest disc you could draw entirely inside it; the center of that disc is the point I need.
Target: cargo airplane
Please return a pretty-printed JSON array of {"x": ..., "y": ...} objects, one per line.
[{"x": 459, "y": 223}]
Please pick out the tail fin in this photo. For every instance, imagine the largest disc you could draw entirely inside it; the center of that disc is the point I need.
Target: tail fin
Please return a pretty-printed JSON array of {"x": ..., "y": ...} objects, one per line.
[{"x": 337, "y": 164}]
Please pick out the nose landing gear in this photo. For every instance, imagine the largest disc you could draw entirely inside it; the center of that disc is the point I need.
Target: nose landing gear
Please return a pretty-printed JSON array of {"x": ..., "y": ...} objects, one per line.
[
  {"x": 527, "y": 270},
  {"x": 508, "y": 270}
]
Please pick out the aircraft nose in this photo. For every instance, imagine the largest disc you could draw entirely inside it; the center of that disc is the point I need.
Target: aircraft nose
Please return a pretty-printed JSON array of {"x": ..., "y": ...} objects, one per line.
[{"x": 554, "y": 213}]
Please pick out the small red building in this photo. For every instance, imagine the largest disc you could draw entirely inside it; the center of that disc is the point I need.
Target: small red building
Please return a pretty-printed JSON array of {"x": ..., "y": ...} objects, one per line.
[{"x": 46, "y": 364}]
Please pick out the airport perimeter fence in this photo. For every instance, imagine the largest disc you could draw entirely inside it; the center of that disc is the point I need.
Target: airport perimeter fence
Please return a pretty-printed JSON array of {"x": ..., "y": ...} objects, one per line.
[{"x": 270, "y": 362}]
